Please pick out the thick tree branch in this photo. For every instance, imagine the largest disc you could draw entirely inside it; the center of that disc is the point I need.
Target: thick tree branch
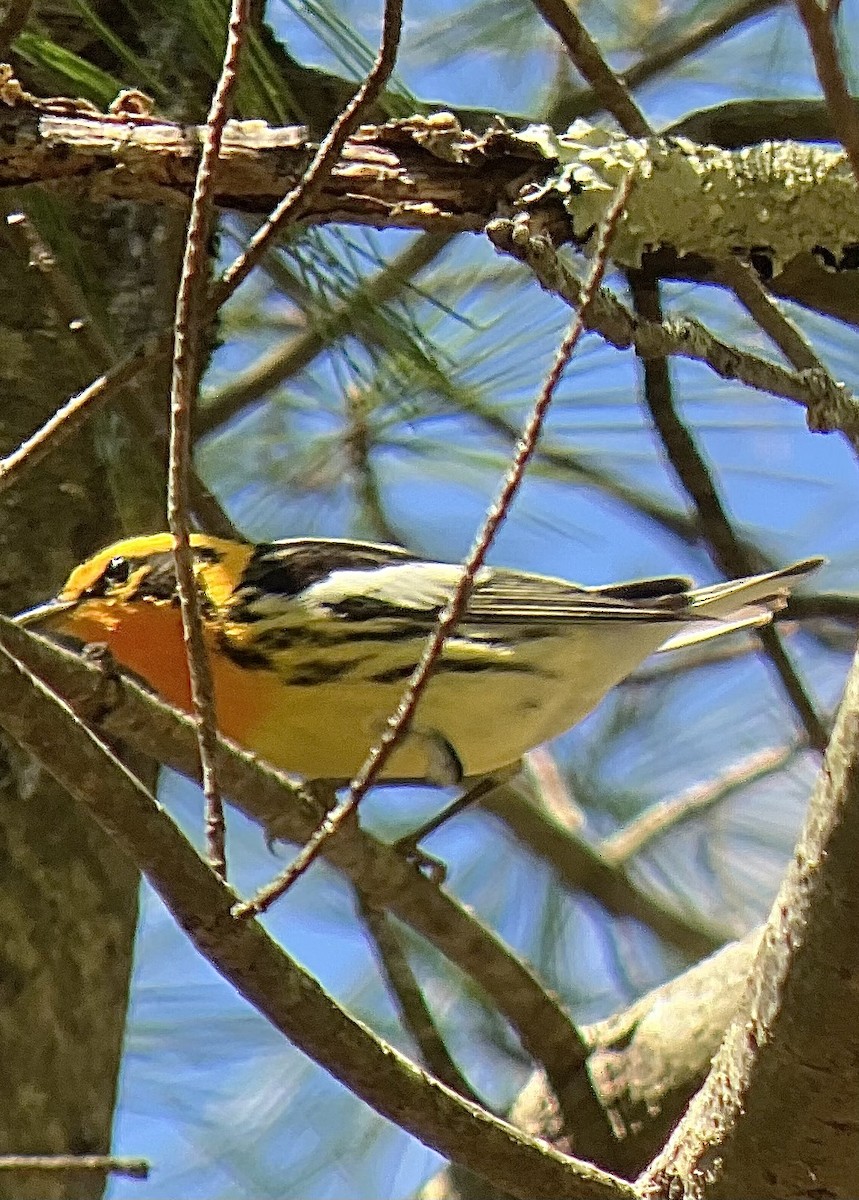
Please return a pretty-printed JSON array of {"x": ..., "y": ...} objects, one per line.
[
  {"x": 427, "y": 172},
  {"x": 422, "y": 173}
]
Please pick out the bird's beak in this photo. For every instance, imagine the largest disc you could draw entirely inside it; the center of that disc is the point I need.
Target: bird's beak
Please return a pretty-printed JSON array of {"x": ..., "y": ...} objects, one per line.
[{"x": 43, "y": 614}]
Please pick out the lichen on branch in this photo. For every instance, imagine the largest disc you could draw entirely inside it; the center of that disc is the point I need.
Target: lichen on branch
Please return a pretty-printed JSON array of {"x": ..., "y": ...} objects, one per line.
[{"x": 772, "y": 201}]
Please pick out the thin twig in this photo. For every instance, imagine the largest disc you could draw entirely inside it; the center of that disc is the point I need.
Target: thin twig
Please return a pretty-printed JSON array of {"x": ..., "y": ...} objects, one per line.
[
  {"x": 839, "y": 606},
  {"x": 224, "y": 404},
  {"x": 686, "y": 460},
  {"x": 72, "y": 309},
  {"x": 829, "y": 619},
  {"x": 585, "y": 55},
  {"x": 399, "y": 723},
  {"x": 72, "y": 415},
  {"x": 661, "y": 818},
  {"x": 66, "y": 295},
  {"x": 189, "y": 326},
  {"x": 133, "y": 1168},
  {"x": 553, "y": 790},
  {"x": 813, "y": 389},
  {"x": 409, "y": 999},
  {"x": 344, "y": 319},
  {"x": 358, "y": 444},
  {"x": 766, "y": 311},
  {"x": 818, "y": 26},
  {"x": 692, "y": 39},
  {"x": 313, "y": 179}
]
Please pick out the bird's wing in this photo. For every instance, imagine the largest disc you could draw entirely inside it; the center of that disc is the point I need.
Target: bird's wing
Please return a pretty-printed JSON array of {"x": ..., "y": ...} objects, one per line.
[
  {"x": 508, "y": 596},
  {"x": 364, "y": 581},
  {"x": 277, "y": 573},
  {"x": 499, "y": 596}
]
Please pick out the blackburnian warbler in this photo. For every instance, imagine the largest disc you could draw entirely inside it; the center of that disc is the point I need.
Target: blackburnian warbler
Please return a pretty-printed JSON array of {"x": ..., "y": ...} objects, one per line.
[{"x": 312, "y": 641}]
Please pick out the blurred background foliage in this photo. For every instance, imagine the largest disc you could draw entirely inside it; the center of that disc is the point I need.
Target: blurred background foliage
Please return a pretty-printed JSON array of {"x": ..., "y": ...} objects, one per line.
[{"x": 373, "y": 384}]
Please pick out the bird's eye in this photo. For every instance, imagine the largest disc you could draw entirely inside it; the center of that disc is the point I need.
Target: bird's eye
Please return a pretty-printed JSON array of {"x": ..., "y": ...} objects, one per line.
[{"x": 116, "y": 572}]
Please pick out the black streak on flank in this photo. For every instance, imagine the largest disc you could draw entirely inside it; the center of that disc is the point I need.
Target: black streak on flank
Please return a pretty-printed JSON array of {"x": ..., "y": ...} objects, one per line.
[
  {"x": 319, "y": 672},
  {"x": 457, "y": 667},
  {"x": 394, "y": 675},
  {"x": 389, "y": 631},
  {"x": 460, "y": 667},
  {"x": 297, "y": 637},
  {"x": 244, "y": 656}
]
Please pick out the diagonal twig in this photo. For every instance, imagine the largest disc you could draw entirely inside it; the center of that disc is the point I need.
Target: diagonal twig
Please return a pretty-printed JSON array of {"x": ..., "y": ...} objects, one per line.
[
  {"x": 344, "y": 319},
  {"x": 694, "y": 476},
  {"x": 71, "y": 416},
  {"x": 818, "y": 21},
  {"x": 313, "y": 179},
  {"x": 657, "y": 820},
  {"x": 581, "y": 868},
  {"x": 409, "y": 999},
  {"x": 690, "y": 40},
  {"x": 815, "y": 390},
  {"x": 131, "y": 1168},
  {"x": 587, "y": 57},
  {"x": 72, "y": 309}
]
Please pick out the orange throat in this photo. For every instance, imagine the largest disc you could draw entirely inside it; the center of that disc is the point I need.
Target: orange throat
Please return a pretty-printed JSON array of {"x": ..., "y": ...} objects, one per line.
[{"x": 147, "y": 640}]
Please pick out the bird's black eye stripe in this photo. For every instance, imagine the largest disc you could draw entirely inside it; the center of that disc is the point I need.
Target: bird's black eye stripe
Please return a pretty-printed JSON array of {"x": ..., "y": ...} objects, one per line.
[
  {"x": 115, "y": 574},
  {"x": 157, "y": 573}
]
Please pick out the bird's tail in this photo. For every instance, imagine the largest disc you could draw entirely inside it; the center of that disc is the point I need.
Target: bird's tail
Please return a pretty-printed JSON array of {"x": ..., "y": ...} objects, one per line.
[{"x": 741, "y": 603}]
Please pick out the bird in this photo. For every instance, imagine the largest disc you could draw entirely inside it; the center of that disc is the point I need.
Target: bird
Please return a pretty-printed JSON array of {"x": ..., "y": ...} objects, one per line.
[{"x": 312, "y": 642}]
